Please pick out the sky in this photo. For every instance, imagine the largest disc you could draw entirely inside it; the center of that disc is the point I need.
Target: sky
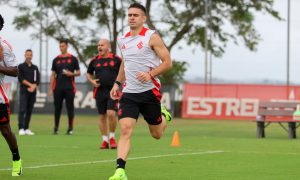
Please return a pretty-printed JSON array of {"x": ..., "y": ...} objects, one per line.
[{"x": 238, "y": 64}]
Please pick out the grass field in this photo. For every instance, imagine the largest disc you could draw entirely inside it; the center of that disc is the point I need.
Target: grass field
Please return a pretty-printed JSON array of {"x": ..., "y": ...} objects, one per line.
[{"x": 209, "y": 150}]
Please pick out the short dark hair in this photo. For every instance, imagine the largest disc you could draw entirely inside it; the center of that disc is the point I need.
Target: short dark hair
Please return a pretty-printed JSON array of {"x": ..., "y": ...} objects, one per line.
[
  {"x": 138, "y": 6},
  {"x": 64, "y": 41},
  {"x": 1, "y": 22},
  {"x": 28, "y": 50}
]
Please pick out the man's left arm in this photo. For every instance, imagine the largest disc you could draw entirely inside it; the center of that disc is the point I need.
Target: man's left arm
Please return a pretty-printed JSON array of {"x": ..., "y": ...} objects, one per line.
[{"x": 162, "y": 52}]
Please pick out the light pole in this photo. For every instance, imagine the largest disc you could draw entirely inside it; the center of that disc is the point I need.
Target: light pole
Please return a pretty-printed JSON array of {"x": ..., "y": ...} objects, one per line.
[{"x": 288, "y": 44}]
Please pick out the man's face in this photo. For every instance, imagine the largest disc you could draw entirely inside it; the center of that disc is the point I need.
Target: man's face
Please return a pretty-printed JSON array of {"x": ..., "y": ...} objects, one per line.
[
  {"x": 63, "y": 48},
  {"x": 136, "y": 18},
  {"x": 103, "y": 47},
  {"x": 28, "y": 55}
]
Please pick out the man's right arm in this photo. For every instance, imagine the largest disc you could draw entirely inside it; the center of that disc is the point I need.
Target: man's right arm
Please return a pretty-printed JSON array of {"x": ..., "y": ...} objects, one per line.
[
  {"x": 115, "y": 91},
  {"x": 121, "y": 74},
  {"x": 93, "y": 81}
]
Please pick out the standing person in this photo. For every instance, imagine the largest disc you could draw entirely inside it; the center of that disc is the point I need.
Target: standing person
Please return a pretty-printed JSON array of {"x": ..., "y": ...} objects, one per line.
[
  {"x": 144, "y": 58},
  {"x": 8, "y": 66},
  {"x": 102, "y": 73},
  {"x": 62, "y": 85},
  {"x": 29, "y": 78}
]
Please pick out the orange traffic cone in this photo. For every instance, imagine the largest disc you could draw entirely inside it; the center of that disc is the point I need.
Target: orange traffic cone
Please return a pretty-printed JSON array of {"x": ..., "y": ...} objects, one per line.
[{"x": 175, "y": 141}]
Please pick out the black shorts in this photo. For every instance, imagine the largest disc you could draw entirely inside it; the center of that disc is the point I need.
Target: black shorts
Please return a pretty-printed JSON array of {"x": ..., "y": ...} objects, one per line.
[
  {"x": 4, "y": 114},
  {"x": 147, "y": 103},
  {"x": 104, "y": 102}
]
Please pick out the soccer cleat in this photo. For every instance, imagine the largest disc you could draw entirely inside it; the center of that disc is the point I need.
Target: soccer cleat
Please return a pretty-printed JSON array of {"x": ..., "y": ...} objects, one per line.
[
  {"x": 104, "y": 145},
  {"x": 17, "y": 168},
  {"x": 69, "y": 132},
  {"x": 119, "y": 175},
  {"x": 113, "y": 144},
  {"x": 165, "y": 113},
  {"x": 55, "y": 131}
]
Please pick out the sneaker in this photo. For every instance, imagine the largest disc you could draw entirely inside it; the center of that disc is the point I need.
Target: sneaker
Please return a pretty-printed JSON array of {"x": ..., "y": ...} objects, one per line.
[
  {"x": 17, "y": 168},
  {"x": 55, "y": 131},
  {"x": 119, "y": 175},
  {"x": 29, "y": 132},
  {"x": 112, "y": 143},
  {"x": 165, "y": 113},
  {"x": 21, "y": 132},
  {"x": 104, "y": 145},
  {"x": 69, "y": 132}
]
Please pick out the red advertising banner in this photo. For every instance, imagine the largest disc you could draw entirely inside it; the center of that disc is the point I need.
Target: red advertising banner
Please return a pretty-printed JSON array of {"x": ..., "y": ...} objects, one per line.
[{"x": 232, "y": 101}]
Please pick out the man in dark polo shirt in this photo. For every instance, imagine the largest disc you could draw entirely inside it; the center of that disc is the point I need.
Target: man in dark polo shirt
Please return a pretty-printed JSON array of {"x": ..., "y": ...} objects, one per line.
[
  {"x": 102, "y": 73},
  {"x": 62, "y": 85},
  {"x": 29, "y": 78}
]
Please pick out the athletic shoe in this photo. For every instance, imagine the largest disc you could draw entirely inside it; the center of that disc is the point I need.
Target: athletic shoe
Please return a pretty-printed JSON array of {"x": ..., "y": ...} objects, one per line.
[
  {"x": 104, "y": 145},
  {"x": 119, "y": 175},
  {"x": 17, "y": 168},
  {"x": 29, "y": 132},
  {"x": 55, "y": 132},
  {"x": 69, "y": 132},
  {"x": 165, "y": 113},
  {"x": 112, "y": 143},
  {"x": 21, "y": 132}
]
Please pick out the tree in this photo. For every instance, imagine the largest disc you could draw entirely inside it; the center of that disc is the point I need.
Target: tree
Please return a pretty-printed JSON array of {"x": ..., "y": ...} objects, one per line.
[
  {"x": 175, "y": 75},
  {"x": 175, "y": 20}
]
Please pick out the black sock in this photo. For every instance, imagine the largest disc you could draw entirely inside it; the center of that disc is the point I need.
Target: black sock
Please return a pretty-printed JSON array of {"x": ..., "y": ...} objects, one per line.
[
  {"x": 121, "y": 163},
  {"x": 15, "y": 154}
]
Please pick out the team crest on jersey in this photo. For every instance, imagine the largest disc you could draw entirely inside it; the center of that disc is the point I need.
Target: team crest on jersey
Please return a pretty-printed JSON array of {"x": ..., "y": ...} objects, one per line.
[
  {"x": 123, "y": 46},
  {"x": 112, "y": 63},
  {"x": 140, "y": 45}
]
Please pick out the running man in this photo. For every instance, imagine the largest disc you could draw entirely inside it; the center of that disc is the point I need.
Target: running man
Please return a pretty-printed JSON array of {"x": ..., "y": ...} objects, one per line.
[
  {"x": 29, "y": 78},
  {"x": 62, "y": 85},
  {"x": 8, "y": 66},
  {"x": 144, "y": 58},
  {"x": 102, "y": 73}
]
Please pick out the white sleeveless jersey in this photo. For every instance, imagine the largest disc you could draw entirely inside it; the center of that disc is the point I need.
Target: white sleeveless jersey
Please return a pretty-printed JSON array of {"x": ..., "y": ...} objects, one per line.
[
  {"x": 9, "y": 60},
  {"x": 138, "y": 57}
]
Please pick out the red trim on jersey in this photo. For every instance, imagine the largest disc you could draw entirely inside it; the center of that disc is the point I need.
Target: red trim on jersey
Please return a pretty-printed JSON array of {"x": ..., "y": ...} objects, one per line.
[
  {"x": 95, "y": 92},
  {"x": 110, "y": 55},
  {"x": 142, "y": 32},
  {"x": 68, "y": 55},
  {"x": 54, "y": 85},
  {"x": 157, "y": 94},
  {"x": 74, "y": 86},
  {"x": 127, "y": 34},
  {"x": 3, "y": 95}
]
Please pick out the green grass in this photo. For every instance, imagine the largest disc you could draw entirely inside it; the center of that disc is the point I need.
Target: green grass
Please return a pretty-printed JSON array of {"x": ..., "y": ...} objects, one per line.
[{"x": 242, "y": 157}]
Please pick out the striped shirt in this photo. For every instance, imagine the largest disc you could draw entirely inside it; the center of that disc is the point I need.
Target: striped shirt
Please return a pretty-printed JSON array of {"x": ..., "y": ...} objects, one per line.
[
  {"x": 9, "y": 60},
  {"x": 138, "y": 57}
]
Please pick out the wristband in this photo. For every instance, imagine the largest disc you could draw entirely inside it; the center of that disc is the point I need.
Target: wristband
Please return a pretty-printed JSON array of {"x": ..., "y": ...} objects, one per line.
[
  {"x": 118, "y": 83},
  {"x": 150, "y": 74}
]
